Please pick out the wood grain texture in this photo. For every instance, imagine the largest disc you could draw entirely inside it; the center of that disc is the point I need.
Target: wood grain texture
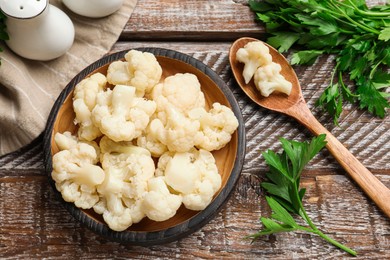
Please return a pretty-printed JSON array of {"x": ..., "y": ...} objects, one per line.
[
  {"x": 46, "y": 230},
  {"x": 200, "y": 20},
  {"x": 191, "y": 20},
  {"x": 34, "y": 225}
]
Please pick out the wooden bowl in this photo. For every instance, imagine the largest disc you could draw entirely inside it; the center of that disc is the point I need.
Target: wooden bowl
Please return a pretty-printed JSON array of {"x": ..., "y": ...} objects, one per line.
[{"x": 229, "y": 159}]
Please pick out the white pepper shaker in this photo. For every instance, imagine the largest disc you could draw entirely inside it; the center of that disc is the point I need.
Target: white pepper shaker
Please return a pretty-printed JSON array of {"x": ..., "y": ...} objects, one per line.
[
  {"x": 37, "y": 30},
  {"x": 93, "y": 8}
]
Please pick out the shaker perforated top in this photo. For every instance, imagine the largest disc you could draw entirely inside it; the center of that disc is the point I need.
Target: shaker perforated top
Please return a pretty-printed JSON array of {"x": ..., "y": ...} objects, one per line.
[{"x": 23, "y": 9}]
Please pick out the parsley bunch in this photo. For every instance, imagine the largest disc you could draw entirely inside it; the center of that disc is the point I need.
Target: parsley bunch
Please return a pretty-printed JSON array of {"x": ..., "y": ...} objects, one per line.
[
  {"x": 357, "y": 35},
  {"x": 284, "y": 196}
]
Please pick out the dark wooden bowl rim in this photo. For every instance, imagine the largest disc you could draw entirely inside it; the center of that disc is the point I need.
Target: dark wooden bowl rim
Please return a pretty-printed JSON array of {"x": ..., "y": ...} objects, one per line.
[{"x": 192, "y": 224}]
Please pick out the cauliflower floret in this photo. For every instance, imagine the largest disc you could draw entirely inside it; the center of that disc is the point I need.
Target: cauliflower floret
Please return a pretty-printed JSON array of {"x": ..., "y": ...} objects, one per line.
[
  {"x": 253, "y": 55},
  {"x": 75, "y": 173},
  {"x": 151, "y": 143},
  {"x": 121, "y": 115},
  {"x": 192, "y": 174},
  {"x": 109, "y": 146},
  {"x": 159, "y": 204},
  {"x": 179, "y": 134},
  {"x": 144, "y": 69},
  {"x": 115, "y": 213},
  {"x": 216, "y": 126},
  {"x": 140, "y": 70},
  {"x": 180, "y": 91},
  {"x": 118, "y": 73},
  {"x": 84, "y": 100},
  {"x": 171, "y": 127},
  {"x": 66, "y": 140},
  {"x": 268, "y": 79},
  {"x": 128, "y": 169}
]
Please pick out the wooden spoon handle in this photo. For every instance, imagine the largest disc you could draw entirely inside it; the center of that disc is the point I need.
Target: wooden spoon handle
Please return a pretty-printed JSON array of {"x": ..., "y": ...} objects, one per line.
[{"x": 373, "y": 187}]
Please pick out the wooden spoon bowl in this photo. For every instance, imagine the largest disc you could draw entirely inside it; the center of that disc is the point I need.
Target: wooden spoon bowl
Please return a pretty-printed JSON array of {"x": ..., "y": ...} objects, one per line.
[
  {"x": 229, "y": 159},
  {"x": 277, "y": 101},
  {"x": 295, "y": 106}
]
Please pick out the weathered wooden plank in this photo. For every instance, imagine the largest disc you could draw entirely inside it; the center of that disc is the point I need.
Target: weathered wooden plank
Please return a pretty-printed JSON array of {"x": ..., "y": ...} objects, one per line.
[
  {"x": 191, "y": 20},
  {"x": 31, "y": 216},
  {"x": 34, "y": 225},
  {"x": 202, "y": 20}
]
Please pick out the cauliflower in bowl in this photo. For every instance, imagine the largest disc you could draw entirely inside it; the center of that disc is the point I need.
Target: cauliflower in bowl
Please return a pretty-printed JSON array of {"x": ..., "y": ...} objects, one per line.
[
  {"x": 140, "y": 70},
  {"x": 142, "y": 146},
  {"x": 128, "y": 169},
  {"x": 84, "y": 100},
  {"x": 75, "y": 170},
  {"x": 159, "y": 203},
  {"x": 198, "y": 183},
  {"x": 216, "y": 126},
  {"x": 181, "y": 91},
  {"x": 182, "y": 122},
  {"x": 120, "y": 114}
]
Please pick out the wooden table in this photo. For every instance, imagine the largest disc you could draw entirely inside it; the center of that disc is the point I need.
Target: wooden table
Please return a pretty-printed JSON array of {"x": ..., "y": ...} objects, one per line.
[{"x": 34, "y": 225}]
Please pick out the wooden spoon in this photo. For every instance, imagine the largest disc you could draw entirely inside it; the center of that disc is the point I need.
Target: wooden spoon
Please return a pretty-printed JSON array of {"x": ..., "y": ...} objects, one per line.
[{"x": 295, "y": 106}]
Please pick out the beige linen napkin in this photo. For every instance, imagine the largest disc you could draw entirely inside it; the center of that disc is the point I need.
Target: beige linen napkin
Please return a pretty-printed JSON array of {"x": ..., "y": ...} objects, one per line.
[{"x": 28, "y": 89}]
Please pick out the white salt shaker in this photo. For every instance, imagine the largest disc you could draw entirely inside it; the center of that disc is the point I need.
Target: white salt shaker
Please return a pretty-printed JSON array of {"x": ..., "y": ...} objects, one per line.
[
  {"x": 93, "y": 8},
  {"x": 37, "y": 30}
]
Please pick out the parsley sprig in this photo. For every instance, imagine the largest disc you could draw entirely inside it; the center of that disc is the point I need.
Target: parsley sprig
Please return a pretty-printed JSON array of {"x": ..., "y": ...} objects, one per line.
[
  {"x": 284, "y": 195},
  {"x": 358, "y": 36}
]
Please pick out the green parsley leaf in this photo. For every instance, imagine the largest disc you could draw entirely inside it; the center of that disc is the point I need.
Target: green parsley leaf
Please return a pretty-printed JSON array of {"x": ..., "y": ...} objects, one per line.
[
  {"x": 305, "y": 57},
  {"x": 381, "y": 79},
  {"x": 318, "y": 26},
  {"x": 385, "y": 34},
  {"x": 331, "y": 99},
  {"x": 357, "y": 35},
  {"x": 280, "y": 214},
  {"x": 283, "y": 41},
  {"x": 372, "y": 99},
  {"x": 283, "y": 193}
]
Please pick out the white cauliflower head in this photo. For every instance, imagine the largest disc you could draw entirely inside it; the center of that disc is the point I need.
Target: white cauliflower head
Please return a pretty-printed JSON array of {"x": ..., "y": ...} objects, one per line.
[
  {"x": 121, "y": 115},
  {"x": 179, "y": 134},
  {"x": 75, "y": 172},
  {"x": 216, "y": 126},
  {"x": 193, "y": 174},
  {"x": 111, "y": 147},
  {"x": 66, "y": 140},
  {"x": 140, "y": 70},
  {"x": 180, "y": 91},
  {"x": 171, "y": 126},
  {"x": 128, "y": 169},
  {"x": 118, "y": 73},
  {"x": 84, "y": 100},
  {"x": 159, "y": 204},
  {"x": 268, "y": 79},
  {"x": 150, "y": 142},
  {"x": 111, "y": 207},
  {"x": 145, "y": 71},
  {"x": 253, "y": 55}
]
